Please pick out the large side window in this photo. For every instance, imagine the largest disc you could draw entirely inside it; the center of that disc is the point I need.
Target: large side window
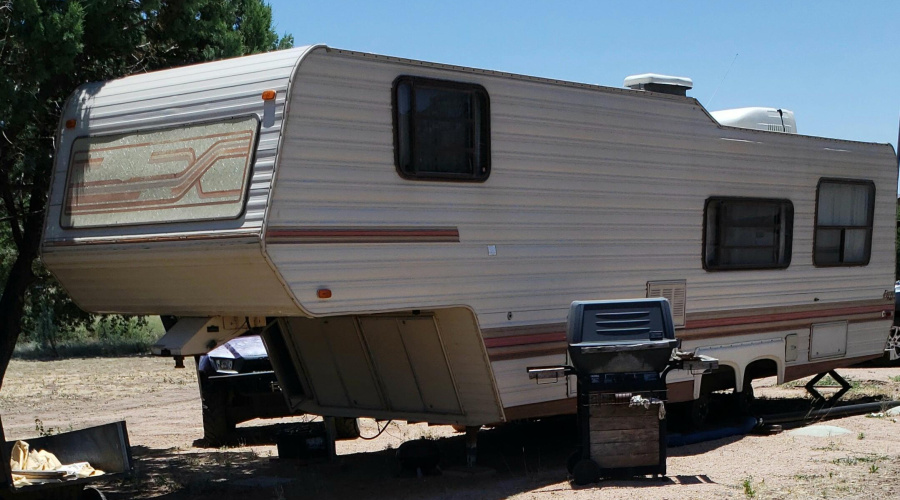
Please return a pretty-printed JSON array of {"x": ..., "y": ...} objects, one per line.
[
  {"x": 844, "y": 213},
  {"x": 192, "y": 172},
  {"x": 747, "y": 233},
  {"x": 441, "y": 129}
]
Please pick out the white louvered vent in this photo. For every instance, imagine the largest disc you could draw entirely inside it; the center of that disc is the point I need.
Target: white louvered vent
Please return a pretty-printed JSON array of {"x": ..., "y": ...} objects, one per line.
[{"x": 675, "y": 291}]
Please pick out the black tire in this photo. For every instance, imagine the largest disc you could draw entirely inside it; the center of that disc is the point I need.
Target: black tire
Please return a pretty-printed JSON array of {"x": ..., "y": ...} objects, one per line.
[
  {"x": 218, "y": 429},
  {"x": 586, "y": 471},
  {"x": 346, "y": 428},
  {"x": 573, "y": 459},
  {"x": 743, "y": 401}
]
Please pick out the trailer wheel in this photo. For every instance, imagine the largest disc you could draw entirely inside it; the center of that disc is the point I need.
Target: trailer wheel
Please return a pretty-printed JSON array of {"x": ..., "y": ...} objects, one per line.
[
  {"x": 346, "y": 428},
  {"x": 218, "y": 429}
]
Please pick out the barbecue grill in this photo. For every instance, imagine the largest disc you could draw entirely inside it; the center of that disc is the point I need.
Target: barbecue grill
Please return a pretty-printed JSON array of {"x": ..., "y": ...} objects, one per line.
[{"x": 620, "y": 352}]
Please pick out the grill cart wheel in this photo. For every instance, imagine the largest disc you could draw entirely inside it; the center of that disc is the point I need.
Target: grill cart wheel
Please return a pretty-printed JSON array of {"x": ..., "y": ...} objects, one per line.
[
  {"x": 573, "y": 460},
  {"x": 698, "y": 412},
  {"x": 586, "y": 471}
]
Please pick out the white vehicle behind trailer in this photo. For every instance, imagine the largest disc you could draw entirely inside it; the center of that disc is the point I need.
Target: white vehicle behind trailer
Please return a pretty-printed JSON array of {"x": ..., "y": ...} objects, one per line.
[{"x": 410, "y": 235}]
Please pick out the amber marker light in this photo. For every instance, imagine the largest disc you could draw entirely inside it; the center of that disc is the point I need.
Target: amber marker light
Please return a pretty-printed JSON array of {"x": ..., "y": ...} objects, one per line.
[
  {"x": 70, "y": 123},
  {"x": 323, "y": 293},
  {"x": 268, "y": 95}
]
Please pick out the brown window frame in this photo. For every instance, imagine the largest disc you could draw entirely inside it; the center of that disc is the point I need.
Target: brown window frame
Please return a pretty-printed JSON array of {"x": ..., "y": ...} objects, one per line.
[
  {"x": 869, "y": 225},
  {"x": 479, "y": 132},
  {"x": 786, "y": 209}
]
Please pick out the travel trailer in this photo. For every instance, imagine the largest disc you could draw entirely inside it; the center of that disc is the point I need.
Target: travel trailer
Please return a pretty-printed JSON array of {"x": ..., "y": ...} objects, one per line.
[{"x": 408, "y": 236}]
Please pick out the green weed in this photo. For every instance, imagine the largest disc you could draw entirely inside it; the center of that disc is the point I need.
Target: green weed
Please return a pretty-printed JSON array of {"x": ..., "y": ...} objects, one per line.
[{"x": 747, "y": 484}]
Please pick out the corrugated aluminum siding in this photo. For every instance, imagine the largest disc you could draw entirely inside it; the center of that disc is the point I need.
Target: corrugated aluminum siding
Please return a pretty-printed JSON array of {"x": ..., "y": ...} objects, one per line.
[{"x": 593, "y": 192}]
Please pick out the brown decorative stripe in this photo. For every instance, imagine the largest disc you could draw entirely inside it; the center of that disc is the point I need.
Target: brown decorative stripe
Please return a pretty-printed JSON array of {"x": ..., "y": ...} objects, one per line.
[
  {"x": 786, "y": 316},
  {"x": 516, "y": 331},
  {"x": 546, "y": 409},
  {"x": 146, "y": 239},
  {"x": 728, "y": 331},
  {"x": 525, "y": 339},
  {"x": 383, "y": 234},
  {"x": 805, "y": 370},
  {"x": 527, "y": 351},
  {"x": 539, "y": 340}
]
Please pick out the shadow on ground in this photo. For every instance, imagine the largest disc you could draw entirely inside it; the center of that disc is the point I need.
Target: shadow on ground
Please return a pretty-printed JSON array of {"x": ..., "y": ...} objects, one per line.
[
  {"x": 514, "y": 458},
  {"x": 520, "y": 457}
]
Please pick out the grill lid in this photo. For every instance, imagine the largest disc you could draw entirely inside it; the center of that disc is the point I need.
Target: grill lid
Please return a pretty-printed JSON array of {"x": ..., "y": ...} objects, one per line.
[
  {"x": 620, "y": 336},
  {"x": 620, "y": 321}
]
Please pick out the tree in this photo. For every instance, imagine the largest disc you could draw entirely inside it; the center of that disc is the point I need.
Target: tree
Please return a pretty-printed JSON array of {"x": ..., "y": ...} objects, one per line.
[{"x": 47, "y": 49}]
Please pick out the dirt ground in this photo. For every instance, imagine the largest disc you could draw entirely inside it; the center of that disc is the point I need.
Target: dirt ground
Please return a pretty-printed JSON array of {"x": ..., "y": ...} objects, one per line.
[{"x": 523, "y": 460}]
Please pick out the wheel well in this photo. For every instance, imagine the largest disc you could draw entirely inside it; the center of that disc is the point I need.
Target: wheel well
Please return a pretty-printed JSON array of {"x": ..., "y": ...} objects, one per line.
[
  {"x": 761, "y": 368},
  {"x": 720, "y": 379}
]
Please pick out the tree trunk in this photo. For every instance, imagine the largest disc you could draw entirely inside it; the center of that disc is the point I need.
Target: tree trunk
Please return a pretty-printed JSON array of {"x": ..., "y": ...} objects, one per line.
[
  {"x": 21, "y": 275},
  {"x": 12, "y": 306}
]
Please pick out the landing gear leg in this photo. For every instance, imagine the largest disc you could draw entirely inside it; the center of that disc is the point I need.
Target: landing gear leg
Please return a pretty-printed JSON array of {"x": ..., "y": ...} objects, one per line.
[
  {"x": 471, "y": 445},
  {"x": 330, "y": 435}
]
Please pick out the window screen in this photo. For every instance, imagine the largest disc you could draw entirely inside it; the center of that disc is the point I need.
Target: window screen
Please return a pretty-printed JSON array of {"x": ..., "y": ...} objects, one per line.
[
  {"x": 192, "y": 172},
  {"x": 747, "y": 233},
  {"x": 441, "y": 130},
  {"x": 844, "y": 212}
]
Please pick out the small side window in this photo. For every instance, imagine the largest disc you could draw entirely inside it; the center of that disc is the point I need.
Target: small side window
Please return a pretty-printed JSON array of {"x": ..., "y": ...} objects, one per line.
[
  {"x": 844, "y": 213},
  {"x": 441, "y": 130},
  {"x": 747, "y": 233}
]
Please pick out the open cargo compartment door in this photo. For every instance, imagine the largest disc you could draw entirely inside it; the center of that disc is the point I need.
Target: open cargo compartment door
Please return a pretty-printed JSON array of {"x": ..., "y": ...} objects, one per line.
[{"x": 430, "y": 367}]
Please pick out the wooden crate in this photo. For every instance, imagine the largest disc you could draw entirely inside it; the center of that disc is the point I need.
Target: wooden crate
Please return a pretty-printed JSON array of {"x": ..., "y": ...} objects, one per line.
[{"x": 623, "y": 436}]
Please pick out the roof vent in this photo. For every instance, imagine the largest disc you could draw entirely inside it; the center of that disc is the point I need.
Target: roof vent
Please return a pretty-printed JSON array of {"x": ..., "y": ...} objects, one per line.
[
  {"x": 771, "y": 119},
  {"x": 665, "y": 84}
]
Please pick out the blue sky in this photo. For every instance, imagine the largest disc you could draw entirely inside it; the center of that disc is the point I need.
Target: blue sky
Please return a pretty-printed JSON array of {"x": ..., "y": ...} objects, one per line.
[{"x": 835, "y": 64}]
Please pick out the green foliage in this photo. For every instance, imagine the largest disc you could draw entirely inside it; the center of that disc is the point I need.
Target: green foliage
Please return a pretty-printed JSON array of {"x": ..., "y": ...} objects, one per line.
[
  {"x": 749, "y": 490},
  {"x": 110, "y": 335},
  {"x": 47, "y": 49}
]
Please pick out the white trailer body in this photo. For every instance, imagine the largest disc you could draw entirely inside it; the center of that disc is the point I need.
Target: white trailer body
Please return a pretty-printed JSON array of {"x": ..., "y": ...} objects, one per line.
[{"x": 404, "y": 288}]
